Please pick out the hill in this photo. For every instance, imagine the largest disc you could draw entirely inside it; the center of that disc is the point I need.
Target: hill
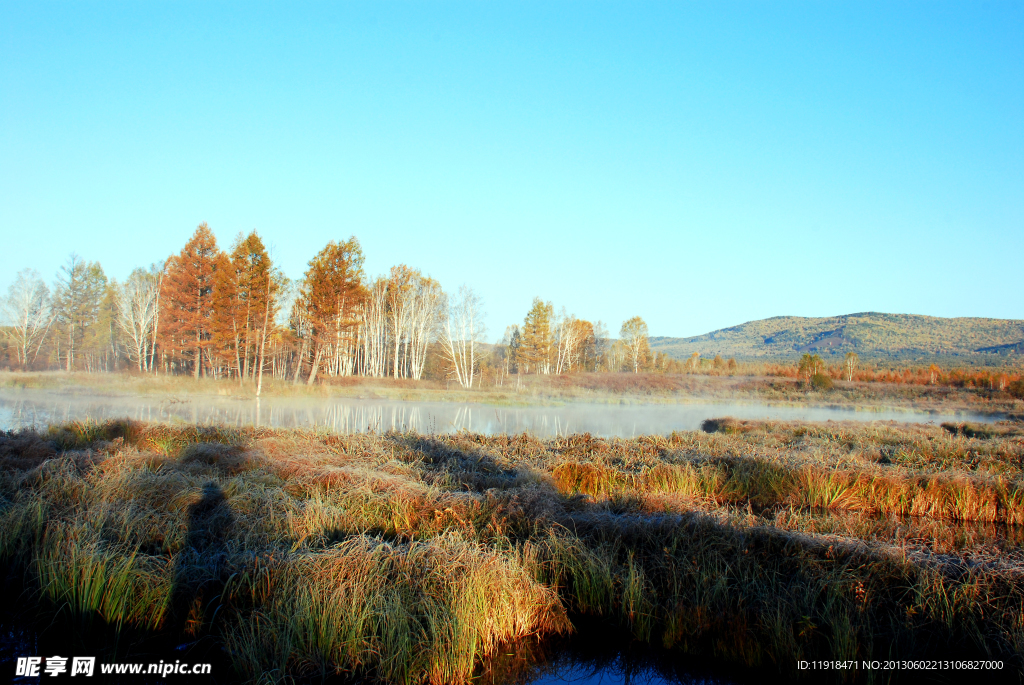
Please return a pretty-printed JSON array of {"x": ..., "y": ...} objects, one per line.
[{"x": 872, "y": 335}]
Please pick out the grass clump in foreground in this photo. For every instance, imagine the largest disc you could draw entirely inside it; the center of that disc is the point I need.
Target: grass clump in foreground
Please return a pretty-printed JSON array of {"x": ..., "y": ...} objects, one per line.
[{"x": 413, "y": 558}]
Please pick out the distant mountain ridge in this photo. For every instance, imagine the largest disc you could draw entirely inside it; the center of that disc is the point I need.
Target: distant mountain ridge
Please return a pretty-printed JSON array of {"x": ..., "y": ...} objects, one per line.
[{"x": 872, "y": 335}]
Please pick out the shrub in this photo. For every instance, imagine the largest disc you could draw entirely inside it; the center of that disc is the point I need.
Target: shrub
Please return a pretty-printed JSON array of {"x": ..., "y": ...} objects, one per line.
[
  {"x": 969, "y": 430},
  {"x": 820, "y": 381},
  {"x": 1016, "y": 389},
  {"x": 727, "y": 425}
]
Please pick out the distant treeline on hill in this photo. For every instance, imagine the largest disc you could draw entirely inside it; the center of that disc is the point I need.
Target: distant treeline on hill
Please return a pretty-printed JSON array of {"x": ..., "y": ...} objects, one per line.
[{"x": 874, "y": 336}]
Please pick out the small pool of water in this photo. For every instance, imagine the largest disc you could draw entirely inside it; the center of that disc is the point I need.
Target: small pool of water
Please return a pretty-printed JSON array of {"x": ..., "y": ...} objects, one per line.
[
  {"x": 601, "y": 654},
  {"x": 23, "y": 408}
]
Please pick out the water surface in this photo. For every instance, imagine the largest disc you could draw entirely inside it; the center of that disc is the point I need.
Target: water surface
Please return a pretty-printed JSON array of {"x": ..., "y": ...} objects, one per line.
[{"x": 23, "y": 408}]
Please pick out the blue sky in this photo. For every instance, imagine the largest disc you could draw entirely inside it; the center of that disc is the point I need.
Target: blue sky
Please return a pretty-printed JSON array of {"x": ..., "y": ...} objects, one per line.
[{"x": 698, "y": 164}]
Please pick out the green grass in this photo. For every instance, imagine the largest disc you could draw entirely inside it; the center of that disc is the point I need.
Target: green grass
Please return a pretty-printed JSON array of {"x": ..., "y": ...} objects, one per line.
[{"x": 411, "y": 558}]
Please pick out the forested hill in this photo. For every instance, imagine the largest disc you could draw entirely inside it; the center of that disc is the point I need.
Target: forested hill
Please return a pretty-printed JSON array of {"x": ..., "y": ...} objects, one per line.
[{"x": 872, "y": 335}]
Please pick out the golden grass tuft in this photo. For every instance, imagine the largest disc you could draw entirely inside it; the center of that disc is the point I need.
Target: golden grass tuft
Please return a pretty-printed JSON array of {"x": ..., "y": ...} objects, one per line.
[{"x": 408, "y": 558}]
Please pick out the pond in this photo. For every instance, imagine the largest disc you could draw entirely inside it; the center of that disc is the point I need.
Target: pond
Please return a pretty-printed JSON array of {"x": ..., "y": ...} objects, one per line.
[{"x": 22, "y": 408}]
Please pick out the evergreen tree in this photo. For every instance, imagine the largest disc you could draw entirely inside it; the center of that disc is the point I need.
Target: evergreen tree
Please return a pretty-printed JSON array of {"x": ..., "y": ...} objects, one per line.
[{"x": 76, "y": 303}]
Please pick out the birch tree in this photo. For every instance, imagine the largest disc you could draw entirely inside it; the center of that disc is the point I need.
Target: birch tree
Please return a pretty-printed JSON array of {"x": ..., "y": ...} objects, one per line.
[
  {"x": 374, "y": 324},
  {"x": 302, "y": 328},
  {"x": 400, "y": 293},
  {"x": 571, "y": 336},
  {"x": 463, "y": 329},
  {"x": 136, "y": 314},
  {"x": 28, "y": 314},
  {"x": 810, "y": 365},
  {"x": 426, "y": 309},
  {"x": 634, "y": 336},
  {"x": 850, "y": 364}
]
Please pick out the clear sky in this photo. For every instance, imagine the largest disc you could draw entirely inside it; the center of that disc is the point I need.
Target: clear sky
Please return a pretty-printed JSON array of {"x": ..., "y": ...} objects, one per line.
[{"x": 699, "y": 164}]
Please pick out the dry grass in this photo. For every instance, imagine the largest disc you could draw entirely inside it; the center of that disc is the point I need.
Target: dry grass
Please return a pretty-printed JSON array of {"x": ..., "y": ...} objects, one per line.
[{"x": 411, "y": 558}]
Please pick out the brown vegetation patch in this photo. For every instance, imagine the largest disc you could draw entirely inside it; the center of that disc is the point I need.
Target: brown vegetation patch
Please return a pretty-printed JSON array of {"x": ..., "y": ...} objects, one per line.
[{"x": 24, "y": 450}]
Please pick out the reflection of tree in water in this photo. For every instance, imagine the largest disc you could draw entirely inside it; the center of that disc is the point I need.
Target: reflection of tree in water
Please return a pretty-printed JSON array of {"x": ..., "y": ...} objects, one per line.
[{"x": 201, "y": 562}]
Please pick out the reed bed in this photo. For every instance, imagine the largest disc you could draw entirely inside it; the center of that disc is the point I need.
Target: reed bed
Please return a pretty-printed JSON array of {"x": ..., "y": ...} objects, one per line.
[{"x": 416, "y": 558}]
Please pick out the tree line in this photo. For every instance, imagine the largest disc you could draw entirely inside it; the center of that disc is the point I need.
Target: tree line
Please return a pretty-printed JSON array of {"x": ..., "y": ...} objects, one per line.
[{"x": 233, "y": 314}]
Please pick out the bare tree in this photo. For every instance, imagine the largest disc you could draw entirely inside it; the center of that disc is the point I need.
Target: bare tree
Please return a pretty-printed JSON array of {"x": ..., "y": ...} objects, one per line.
[
  {"x": 136, "y": 313},
  {"x": 462, "y": 330},
  {"x": 28, "y": 313}
]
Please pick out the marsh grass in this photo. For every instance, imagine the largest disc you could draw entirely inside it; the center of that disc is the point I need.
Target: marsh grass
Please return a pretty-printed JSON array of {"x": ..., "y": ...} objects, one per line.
[{"x": 410, "y": 558}]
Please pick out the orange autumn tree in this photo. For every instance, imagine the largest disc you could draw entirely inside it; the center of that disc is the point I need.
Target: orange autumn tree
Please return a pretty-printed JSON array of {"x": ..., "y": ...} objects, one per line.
[
  {"x": 245, "y": 295},
  {"x": 331, "y": 299},
  {"x": 187, "y": 299}
]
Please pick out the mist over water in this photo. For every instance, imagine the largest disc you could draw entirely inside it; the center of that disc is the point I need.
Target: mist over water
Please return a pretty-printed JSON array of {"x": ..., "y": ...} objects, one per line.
[{"x": 27, "y": 408}]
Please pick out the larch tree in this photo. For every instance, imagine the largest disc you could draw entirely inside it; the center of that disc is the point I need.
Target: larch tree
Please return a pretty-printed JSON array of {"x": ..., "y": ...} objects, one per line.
[
  {"x": 187, "y": 302},
  {"x": 634, "y": 336},
  {"x": 28, "y": 314},
  {"x": 246, "y": 304},
  {"x": 76, "y": 302},
  {"x": 228, "y": 320},
  {"x": 333, "y": 295},
  {"x": 536, "y": 338}
]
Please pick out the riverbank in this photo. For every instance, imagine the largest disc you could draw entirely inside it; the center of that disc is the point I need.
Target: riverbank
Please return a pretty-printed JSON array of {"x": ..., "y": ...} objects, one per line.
[
  {"x": 421, "y": 558},
  {"x": 592, "y": 388}
]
